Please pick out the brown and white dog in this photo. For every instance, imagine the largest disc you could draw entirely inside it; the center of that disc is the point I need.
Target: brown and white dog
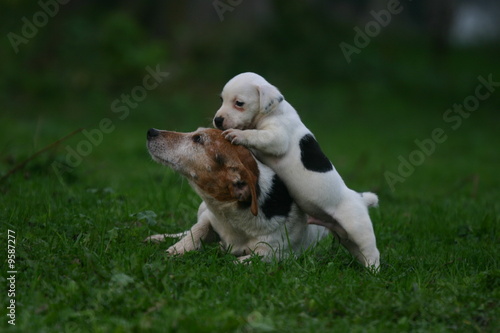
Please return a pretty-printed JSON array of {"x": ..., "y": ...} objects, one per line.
[{"x": 245, "y": 204}]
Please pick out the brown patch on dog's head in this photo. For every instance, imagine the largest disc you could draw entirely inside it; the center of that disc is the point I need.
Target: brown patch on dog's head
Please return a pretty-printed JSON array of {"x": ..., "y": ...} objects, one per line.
[
  {"x": 219, "y": 169},
  {"x": 235, "y": 173}
]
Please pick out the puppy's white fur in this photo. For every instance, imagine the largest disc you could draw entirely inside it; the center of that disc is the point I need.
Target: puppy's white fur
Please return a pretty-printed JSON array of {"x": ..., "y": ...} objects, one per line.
[
  {"x": 226, "y": 177},
  {"x": 255, "y": 114}
]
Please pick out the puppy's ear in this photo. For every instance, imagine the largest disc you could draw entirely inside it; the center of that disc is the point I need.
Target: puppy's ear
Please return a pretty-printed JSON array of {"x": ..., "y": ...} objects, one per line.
[{"x": 270, "y": 97}]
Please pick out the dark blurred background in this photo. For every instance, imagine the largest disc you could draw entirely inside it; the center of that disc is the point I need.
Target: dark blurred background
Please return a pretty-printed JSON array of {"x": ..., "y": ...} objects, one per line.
[{"x": 63, "y": 64}]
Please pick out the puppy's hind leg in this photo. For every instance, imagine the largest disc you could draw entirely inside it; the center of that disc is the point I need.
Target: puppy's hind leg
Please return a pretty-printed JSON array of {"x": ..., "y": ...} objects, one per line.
[
  {"x": 351, "y": 224},
  {"x": 352, "y": 215}
]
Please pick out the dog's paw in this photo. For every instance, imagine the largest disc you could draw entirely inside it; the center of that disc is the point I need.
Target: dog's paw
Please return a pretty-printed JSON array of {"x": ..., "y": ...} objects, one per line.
[
  {"x": 171, "y": 251},
  {"x": 235, "y": 136}
]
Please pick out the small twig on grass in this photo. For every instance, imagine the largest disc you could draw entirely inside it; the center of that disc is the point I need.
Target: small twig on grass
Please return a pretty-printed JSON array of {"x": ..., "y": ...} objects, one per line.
[{"x": 41, "y": 151}]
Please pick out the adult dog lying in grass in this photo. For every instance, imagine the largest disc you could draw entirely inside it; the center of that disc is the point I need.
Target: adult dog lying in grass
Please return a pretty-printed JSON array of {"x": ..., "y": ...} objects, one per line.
[{"x": 245, "y": 204}]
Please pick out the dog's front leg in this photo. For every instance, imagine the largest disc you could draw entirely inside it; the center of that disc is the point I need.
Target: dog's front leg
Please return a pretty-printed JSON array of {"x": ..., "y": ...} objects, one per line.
[
  {"x": 201, "y": 232},
  {"x": 268, "y": 141}
]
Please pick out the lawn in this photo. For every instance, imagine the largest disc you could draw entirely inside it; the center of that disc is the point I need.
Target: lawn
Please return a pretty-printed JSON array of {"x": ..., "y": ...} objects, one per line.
[{"x": 82, "y": 266}]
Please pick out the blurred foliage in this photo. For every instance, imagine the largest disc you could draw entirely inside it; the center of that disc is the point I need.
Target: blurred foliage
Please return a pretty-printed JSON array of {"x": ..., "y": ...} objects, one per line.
[
  {"x": 91, "y": 52},
  {"x": 77, "y": 56}
]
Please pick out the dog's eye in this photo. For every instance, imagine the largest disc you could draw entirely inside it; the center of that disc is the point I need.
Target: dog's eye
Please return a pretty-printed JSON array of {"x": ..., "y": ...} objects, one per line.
[
  {"x": 197, "y": 138},
  {"x": 239, "y": 104}
]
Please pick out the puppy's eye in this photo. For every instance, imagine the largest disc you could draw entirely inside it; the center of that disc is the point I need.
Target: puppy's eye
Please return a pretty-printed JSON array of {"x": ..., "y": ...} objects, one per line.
[
  {"x": 239, "y": 104},
  {"x": 221, "y": 99},
  {"x": 197, "y": 138}
]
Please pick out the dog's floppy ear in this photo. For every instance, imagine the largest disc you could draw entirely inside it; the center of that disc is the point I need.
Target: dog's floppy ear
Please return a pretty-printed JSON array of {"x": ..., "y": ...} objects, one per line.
[
  {"x": 245, "y": 191},
  {"x": 246, "y": 188},
  {"x": 269, "y": 97}
]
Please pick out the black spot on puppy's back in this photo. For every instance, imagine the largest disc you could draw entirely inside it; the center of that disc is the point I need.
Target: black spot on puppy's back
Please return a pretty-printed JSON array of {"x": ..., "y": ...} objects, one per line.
[
  {"x": 312, "y": 156},
  {"x": 279, "y": 202}
]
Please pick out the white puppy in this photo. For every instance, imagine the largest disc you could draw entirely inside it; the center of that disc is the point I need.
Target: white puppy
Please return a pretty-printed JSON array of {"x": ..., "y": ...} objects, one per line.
[{"x": 255, "y": 114}]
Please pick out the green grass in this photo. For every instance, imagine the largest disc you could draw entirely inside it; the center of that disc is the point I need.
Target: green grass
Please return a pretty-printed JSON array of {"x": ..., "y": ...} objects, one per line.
[{"x": 82, "y": 265}]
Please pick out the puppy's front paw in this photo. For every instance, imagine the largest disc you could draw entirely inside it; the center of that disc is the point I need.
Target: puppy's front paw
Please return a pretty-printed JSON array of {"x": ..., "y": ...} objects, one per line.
[{"x": 235, "y": 136}]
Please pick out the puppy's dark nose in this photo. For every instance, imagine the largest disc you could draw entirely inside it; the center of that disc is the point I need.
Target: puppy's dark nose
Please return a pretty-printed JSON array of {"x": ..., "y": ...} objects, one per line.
[
  {"x": 218, "y": 121},
  {"x": 152, "y": 133}
]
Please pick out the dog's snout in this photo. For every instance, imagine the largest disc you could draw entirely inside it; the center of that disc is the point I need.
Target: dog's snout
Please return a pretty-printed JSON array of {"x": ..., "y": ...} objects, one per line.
[
  {"x": 152, "y": 133},
  {"x": 218, "y": 121}
]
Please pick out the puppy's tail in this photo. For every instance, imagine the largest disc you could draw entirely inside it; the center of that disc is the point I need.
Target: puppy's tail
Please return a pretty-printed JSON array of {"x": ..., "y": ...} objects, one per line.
[{"x": 370, "y": 199}]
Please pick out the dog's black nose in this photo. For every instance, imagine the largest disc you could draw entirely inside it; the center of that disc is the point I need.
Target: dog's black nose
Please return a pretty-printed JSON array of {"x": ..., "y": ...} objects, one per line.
[
  {"x": 218, "y": 121},
  {"x": 152, "y": 133}
]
